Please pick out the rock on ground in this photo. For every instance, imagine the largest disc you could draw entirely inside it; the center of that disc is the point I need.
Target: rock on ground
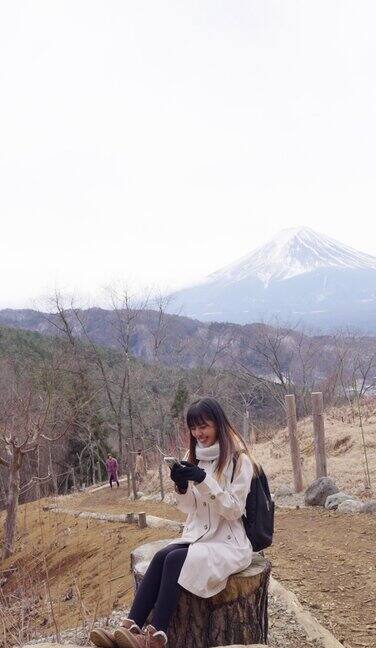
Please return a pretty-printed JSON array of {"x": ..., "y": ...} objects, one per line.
[
  {"x": 351, "y": 506},
  {"x": 317, "y": 493},
  {"x": 369, "y": 507},
  {"x": 332, "y": 501}
]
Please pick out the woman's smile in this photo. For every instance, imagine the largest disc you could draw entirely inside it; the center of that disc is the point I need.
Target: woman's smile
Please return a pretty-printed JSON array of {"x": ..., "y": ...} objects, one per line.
[{"x": 205, "y": 433}]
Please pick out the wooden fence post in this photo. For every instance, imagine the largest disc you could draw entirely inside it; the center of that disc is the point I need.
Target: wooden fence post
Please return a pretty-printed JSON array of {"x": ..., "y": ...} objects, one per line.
[
  {"x": 294, "y": 446},
  {"x": 319, "y": 433}
]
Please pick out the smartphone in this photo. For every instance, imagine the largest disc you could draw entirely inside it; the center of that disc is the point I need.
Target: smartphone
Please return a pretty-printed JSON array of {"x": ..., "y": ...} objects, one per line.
[{"x": 170, "y": 461}]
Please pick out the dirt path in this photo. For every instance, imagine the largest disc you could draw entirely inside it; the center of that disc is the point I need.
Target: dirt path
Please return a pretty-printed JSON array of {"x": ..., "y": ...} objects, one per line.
[
  {"x": 328, "y": 560},
  {"x": 116, "y": 501}
]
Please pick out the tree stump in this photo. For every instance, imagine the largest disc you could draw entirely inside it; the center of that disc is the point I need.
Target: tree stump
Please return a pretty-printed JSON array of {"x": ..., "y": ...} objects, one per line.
[
  {"x": 142, "y": 520},
  {"x": 237, "y": 615}
]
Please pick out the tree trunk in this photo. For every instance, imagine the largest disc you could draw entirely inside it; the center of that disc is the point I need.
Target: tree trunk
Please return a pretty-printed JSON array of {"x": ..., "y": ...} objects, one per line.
[
  {"x": 131, "y": 472},
  {"x": 92, "y": 465},
  {"x": 74, "y": 480},
  {"x": 12, "y": 503},
  {"x": 128, "y": 481},
  {"x": 246, "y": 425},
  {"x": 160, "y": 470},
  {"x": 3, "y": 491},
  {"x": 53, "y": 476},
  {"x": 120, "y": 445},
  {"x": 144, "y": 457},
  {"x": 237, "y": 615},
  {"x": 37, "y": 482}
]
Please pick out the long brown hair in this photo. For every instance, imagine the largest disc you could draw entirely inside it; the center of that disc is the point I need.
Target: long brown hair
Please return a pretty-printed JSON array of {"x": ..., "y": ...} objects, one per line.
[{"x": 230, "y": 441}]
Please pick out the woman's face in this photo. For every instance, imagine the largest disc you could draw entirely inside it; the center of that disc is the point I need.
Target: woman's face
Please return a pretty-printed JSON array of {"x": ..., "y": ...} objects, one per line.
[{"x": 205, "y": 433}]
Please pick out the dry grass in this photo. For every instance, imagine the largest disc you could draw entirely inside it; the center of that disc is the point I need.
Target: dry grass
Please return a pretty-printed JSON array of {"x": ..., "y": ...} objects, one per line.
[
  {"x": 345, "y": 458},
  {"x": 66, "y": 571}
]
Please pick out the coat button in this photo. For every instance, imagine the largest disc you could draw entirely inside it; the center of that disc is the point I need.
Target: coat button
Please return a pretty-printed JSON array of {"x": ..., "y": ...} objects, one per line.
[
  {"x": 212, "y": 496},
  {"x": 228, "y": 537},
  {"x": 204, "y": 504},
  {"x": 205, "y": 526}
]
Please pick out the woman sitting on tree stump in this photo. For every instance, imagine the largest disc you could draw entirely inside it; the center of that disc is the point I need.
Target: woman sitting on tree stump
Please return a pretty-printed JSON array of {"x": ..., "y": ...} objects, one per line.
[{"x": 214, "y": 543}]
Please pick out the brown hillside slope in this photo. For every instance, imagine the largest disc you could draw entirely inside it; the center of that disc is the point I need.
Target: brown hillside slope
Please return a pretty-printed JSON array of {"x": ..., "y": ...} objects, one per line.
[
  {"x": 66, "y": 571},
  {"x": 345, "y": 457}
]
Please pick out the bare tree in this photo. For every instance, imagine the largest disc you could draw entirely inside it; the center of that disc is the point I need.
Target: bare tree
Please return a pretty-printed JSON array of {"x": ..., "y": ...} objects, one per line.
[
  {"x": 283, "y": 360},
  {"x": 356, "y": 370},
  {"x": 29, "y": 416},
  {"x": 127, "y": 310},
  {"x": 84, "y": 391}
]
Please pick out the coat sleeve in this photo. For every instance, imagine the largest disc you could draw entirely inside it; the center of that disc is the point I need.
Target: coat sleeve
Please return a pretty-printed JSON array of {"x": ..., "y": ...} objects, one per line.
[
  {"x": 230, "y": 503},
  {"x": 186, "y": 502}
]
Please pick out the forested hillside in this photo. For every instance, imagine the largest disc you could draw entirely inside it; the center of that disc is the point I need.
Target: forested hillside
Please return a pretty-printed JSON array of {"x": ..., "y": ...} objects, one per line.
[{"x": 275, "y": 351}]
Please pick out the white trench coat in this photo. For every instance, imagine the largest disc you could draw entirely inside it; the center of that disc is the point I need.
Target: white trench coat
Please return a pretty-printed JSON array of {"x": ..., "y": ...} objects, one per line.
[{"x": 214, "y": 529}]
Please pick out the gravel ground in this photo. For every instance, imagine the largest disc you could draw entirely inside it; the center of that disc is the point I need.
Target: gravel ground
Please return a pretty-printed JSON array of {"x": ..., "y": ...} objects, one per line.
[
  {"x": 284, "y": 630},
  {"x": 296, "y": 500}
]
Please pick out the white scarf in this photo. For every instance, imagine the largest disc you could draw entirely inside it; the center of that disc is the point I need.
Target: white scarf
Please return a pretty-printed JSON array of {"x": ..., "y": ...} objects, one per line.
[{"x": 207, "y": 453}]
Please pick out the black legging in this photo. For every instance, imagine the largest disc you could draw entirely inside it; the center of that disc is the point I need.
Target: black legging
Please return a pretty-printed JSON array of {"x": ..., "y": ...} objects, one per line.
[
  {"x": 159, "y": 588},
  {"x": 115, "y": 479}
]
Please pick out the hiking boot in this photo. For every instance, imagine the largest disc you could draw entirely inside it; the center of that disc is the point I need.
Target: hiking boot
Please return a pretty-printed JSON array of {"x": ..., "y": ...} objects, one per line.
[
  {"x": 151, "y": 638},
  {"x": 103, "y": 638},
  {"x": 131, "y": 626}
]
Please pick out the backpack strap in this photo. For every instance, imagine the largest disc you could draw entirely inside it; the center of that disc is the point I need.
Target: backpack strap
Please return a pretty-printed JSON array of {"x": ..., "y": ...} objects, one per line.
[{"x": 257, "y": 470}]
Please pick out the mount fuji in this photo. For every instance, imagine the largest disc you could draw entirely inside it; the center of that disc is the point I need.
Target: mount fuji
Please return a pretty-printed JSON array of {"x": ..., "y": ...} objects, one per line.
[{"x": 298, "y": 276}]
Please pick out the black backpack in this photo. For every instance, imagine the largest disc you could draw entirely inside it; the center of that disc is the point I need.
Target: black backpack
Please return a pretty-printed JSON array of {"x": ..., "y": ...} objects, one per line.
[{"x": 259, "y": 519}]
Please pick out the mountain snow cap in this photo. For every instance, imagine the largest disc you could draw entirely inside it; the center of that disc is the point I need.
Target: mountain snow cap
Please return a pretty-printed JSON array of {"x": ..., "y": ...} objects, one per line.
[{"x": 292, "y": 252}]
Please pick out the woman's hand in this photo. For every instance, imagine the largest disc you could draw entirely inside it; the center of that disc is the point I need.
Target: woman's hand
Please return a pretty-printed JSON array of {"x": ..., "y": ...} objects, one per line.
[
  {"x": 192, "y": 472},
  {"x": 180, "y": 480}
]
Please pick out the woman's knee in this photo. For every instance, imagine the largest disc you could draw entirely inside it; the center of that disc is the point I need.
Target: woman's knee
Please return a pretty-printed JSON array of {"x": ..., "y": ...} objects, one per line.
[
  {"x": 160, "y": 556},
  {"x": 174, "y": 561}
]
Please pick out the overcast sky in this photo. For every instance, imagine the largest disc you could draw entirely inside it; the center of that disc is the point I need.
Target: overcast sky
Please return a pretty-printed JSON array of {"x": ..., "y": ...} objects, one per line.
[{"x": 156, "y": 141}]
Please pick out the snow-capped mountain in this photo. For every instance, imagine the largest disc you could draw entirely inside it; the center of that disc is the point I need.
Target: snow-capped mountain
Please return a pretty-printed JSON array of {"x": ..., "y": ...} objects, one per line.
[
  {"x": 293, "y": 252},
  {"x": 298, "y": 275}
]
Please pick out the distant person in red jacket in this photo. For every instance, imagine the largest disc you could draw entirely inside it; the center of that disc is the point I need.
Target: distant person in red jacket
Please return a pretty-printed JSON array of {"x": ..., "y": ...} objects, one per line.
[{"x": 112, "y": 469}]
